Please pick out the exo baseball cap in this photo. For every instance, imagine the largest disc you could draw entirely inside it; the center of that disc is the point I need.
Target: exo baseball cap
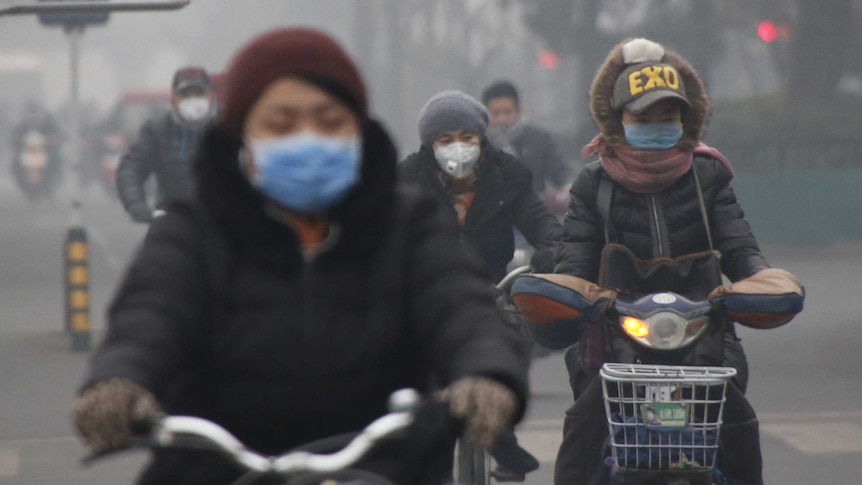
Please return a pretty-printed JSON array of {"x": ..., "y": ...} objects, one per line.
[{"x": 641, "y": 85}]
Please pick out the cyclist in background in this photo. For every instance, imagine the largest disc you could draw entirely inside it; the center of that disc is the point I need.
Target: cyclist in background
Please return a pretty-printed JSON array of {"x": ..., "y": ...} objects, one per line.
[
  {"x": 487, "y": 194},
  {"x": 166, "y": 146}
]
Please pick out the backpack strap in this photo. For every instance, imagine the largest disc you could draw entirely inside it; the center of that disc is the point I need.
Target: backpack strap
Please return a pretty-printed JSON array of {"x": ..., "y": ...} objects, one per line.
[
  {"x": 604, "y": 198},
  {"x": 703, "y": 214}
]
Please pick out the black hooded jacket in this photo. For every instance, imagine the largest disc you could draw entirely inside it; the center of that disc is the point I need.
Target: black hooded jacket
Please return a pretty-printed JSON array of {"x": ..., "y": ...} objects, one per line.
[
  {"x": 538, "y": 151},
  {"x": 664, "y": 224},
  {"x": 504, "y": 200},
  {"x": 280, "y": 349},
  {"x": 165, "y": 150}
]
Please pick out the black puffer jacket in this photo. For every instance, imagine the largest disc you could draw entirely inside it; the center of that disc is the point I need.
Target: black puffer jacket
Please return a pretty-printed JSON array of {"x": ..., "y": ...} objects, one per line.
[
  {"x": 538, "y": 151},
  {"x": 667, "y": 223},
  {"x": 165, "y": 150},
  {"x": 504, "y": 200},
  {"x": 281, "y": 350}
]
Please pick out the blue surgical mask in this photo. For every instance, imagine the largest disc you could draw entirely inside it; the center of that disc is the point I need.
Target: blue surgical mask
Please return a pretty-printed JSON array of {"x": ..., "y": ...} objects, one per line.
[
  {"x": 308, "y": 173},
  {"x": 653, "y": 136}
]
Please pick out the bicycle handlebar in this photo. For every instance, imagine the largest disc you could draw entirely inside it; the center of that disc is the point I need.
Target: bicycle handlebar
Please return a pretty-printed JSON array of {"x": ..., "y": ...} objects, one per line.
[
  {"x": 511, "y": 275},
  {"x": 199, "y": 433}
]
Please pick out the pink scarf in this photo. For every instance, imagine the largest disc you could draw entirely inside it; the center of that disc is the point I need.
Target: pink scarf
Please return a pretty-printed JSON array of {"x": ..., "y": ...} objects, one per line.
[{"x": 647, "y": 171}]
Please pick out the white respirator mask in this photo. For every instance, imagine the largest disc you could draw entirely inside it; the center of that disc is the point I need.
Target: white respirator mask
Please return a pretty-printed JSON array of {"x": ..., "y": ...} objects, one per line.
[
  {"x": 194, "y": 109},
  {"x": 457, "y": 159}
]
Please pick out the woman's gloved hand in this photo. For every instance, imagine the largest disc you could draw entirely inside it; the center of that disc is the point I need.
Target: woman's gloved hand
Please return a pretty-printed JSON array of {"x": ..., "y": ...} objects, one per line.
[
  {"x": 486, "y": 406},
  {"x": 106, "y": 415}
]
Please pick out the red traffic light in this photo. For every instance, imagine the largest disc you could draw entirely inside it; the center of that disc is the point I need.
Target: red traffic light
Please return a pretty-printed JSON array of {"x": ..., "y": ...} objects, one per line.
[
  {"x": 549, "y": 59},
  {"x": 770, "y": 32},
  {"x": 767, "y": 31}
]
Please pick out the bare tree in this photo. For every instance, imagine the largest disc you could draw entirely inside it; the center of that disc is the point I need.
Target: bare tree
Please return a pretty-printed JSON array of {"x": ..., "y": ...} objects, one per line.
[{"x": 410, "y": 49}]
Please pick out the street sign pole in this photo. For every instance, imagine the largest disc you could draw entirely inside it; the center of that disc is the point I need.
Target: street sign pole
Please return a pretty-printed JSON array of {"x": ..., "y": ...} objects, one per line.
[
  {"x": 74, "y": 16},
  {"x": 77, "y": 292},
  {"x": 75, "y": 163}
]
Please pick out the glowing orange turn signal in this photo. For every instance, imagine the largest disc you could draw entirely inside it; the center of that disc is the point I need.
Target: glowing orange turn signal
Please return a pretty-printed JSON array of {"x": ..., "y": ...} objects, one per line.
[{"x": 635, "y": 327}]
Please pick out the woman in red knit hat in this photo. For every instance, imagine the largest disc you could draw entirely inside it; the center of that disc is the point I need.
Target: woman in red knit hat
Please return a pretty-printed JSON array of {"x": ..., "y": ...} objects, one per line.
[{"x": 299, "y": 287}]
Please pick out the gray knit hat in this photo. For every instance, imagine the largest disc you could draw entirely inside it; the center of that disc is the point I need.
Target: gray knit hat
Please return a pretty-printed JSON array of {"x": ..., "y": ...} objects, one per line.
[{"x": 451, "y": 110}]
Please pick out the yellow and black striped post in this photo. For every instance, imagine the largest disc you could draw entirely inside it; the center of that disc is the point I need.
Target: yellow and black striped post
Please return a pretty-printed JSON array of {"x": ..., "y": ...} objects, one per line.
[{"x": 77, "y": 288}]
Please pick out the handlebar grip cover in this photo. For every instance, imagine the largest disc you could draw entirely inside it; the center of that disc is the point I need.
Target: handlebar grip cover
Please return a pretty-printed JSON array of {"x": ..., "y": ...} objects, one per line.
[{"x": 558, "y": 306}]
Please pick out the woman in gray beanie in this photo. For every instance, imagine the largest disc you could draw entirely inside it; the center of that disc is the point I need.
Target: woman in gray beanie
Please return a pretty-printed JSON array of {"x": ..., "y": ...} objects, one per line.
[{"x": 488, "y": 194}]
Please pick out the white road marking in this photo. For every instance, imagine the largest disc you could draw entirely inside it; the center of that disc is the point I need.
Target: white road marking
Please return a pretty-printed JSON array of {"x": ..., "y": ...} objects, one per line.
[
  {"x": 778, "y": 416},
  {"x": 818, "y": 438}
]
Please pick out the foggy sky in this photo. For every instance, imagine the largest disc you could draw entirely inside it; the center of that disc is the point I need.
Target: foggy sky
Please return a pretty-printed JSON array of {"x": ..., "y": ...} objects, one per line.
[{"x": 142, "y": 50}]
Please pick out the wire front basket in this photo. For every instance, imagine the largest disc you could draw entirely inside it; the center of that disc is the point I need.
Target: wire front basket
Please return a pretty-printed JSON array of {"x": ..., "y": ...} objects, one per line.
[{"x": 663, "y": 419}]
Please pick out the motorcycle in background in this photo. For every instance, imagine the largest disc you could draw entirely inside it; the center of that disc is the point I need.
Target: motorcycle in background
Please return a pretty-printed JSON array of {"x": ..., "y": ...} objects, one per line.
[
  {"x": 35, "y": 165},
  {"x": 33, "y": 157}
]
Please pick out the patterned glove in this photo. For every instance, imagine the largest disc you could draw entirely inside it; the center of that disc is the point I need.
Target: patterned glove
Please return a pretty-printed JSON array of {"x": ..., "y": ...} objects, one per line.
[
  {"x": 106, "y": 415},
  {"x": 486, "y": 406}
]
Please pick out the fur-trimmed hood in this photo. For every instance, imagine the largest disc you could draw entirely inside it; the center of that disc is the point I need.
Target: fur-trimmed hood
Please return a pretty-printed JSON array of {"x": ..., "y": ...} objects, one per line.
[
  {"x": 609, "y": 120},
  {"x": 241, "y": 210}
]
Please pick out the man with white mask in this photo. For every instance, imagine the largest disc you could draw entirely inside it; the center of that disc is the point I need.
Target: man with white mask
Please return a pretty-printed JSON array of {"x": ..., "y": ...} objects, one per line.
[
  {"x": 487, "y": 193},
  {"x": 166, "y": 145}
]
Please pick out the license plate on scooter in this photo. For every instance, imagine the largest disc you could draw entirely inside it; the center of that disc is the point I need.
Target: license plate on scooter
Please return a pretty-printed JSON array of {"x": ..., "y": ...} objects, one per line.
[
  {"x": 663, "y": 407},
  {"x": 665, "y": 414}
]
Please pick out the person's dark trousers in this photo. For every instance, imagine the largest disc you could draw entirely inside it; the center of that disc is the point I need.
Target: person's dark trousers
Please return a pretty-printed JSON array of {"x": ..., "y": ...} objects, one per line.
[
  {"x": 510, "y": 456},
  {"x": 580, "y": 460},
  {"x": 512, "y": 460},
  {"x": 740, "y": 458},
  {"x": 734, "y": 356}
]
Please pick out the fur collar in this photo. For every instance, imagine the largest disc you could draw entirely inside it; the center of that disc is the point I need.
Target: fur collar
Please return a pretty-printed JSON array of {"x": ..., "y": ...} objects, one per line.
[{"x": 609, "y": 120}]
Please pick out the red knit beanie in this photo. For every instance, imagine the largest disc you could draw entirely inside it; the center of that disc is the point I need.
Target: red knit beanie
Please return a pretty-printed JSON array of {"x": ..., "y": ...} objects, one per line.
[{"x": 301, "y": 52}]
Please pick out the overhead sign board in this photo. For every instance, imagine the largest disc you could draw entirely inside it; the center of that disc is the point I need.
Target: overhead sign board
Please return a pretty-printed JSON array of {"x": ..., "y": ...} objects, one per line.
[{"x": 70, "y": 20}]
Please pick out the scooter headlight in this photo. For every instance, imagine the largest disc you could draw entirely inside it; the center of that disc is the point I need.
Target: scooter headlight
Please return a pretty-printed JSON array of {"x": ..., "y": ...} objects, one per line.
[
  {"x": 668, "y": 330},
  {"x": 663, "y": 330}
]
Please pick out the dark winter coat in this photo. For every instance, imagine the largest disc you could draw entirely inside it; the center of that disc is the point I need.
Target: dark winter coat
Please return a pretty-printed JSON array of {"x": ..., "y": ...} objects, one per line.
[
  {"x": 537, "y": 150},
  {"x": 280, "y": 349},
  {"x": 164, "y": 149},
  {"x": 664, "y": 224},
  {"x": 504, "y": 200}
]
